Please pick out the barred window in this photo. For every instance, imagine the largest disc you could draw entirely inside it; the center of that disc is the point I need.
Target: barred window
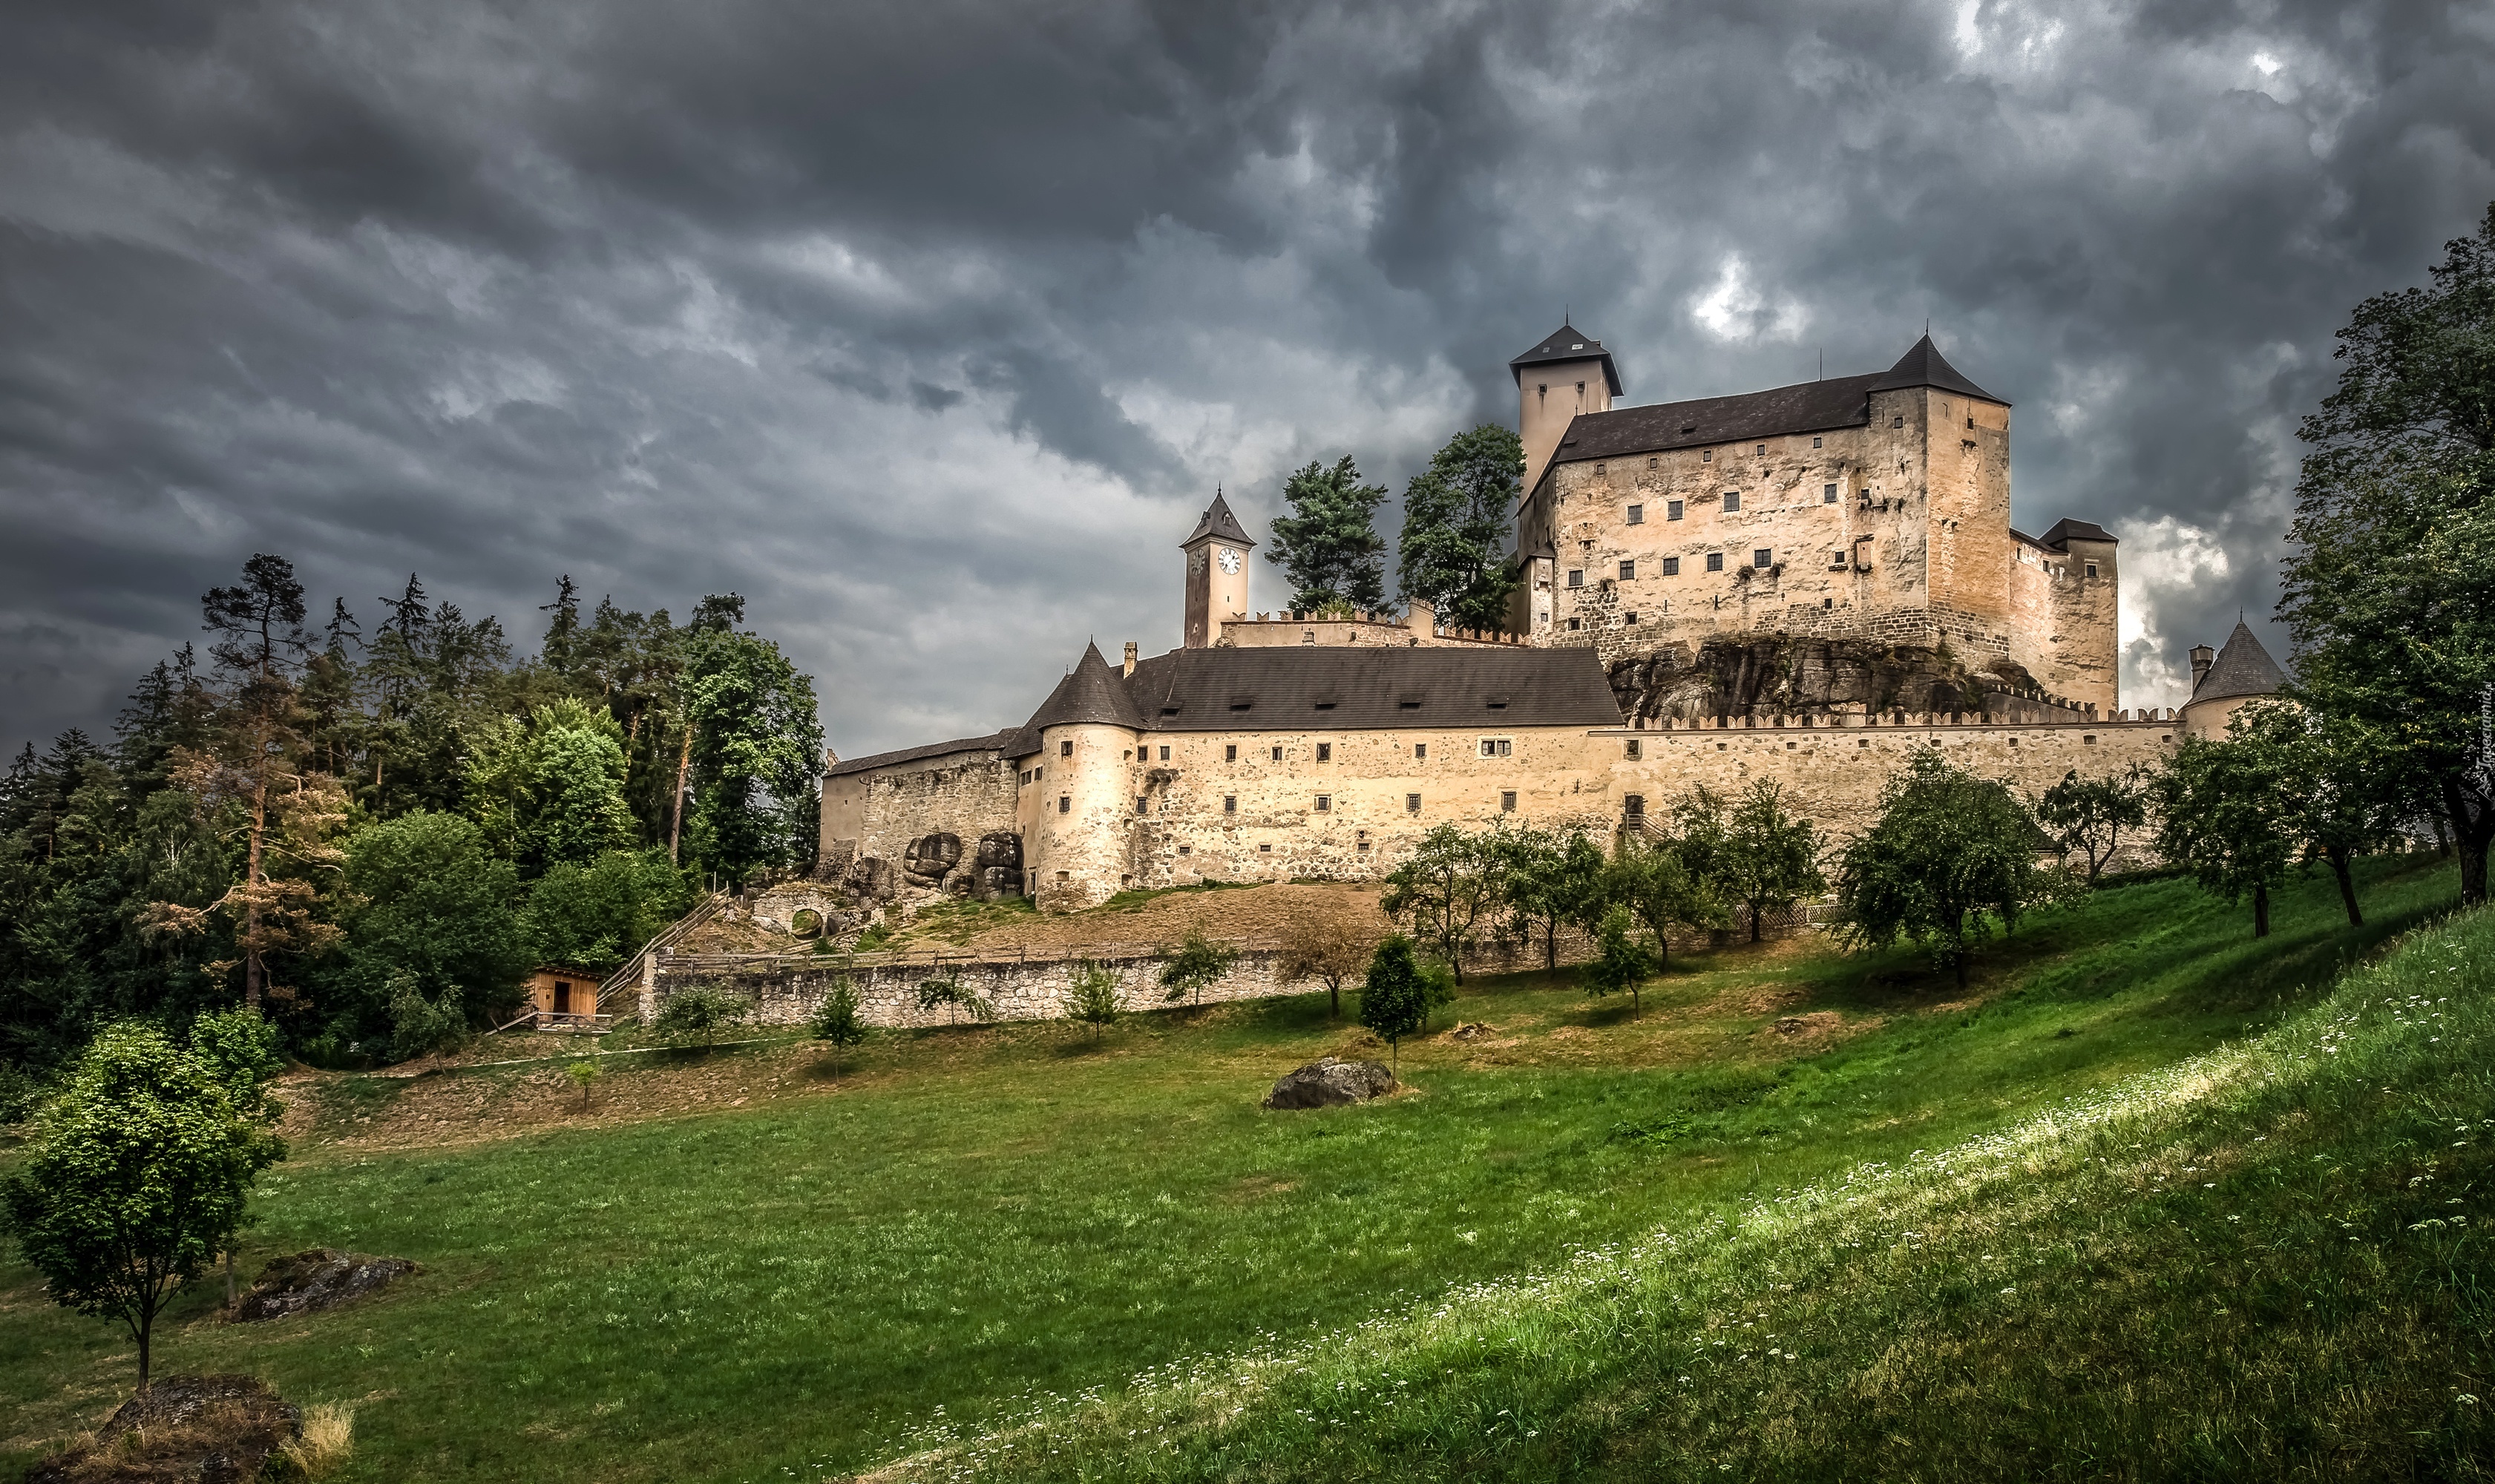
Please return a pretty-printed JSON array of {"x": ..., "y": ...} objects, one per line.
[{"x": 1412, "y": 803}]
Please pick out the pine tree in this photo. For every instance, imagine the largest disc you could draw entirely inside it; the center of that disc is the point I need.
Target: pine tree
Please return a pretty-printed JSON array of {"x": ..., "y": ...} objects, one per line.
[{"x": 1330, "y": 547}]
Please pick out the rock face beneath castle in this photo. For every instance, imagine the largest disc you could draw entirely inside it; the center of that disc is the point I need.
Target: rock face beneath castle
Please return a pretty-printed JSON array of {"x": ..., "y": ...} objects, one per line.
[{"x": 1782, "y": 675}]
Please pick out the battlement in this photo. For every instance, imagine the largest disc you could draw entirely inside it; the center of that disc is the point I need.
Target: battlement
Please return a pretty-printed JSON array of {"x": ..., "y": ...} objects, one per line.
[{"x": 1833, "y": 721}]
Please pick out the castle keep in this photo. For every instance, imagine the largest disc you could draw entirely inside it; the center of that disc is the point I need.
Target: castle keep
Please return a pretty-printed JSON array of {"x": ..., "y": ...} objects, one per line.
[{"x": 1808, "y": 583}]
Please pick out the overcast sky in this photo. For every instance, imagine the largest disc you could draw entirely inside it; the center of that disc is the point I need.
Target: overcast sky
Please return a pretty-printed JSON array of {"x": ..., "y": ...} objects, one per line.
[{"x": 930, "y": 327}]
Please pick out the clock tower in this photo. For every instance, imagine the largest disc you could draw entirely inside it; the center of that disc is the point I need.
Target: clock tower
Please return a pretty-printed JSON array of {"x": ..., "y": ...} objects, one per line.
[{"x": 1216, "y": 574}]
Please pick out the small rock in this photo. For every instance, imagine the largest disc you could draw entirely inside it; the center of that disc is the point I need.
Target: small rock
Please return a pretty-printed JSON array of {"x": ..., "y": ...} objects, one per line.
[
  {"x": 211, "y": 1429},
  {"x": 1471, "y": 1030},
  {"x": 315, "y": 1279},
  {"x": 1791, "y": 1024},
  {"x": 1330, "y": 1084}
]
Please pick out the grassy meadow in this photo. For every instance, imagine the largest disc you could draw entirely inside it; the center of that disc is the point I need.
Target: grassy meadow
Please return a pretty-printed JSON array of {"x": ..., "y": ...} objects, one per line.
[{"x": 1010, "y": 1250}]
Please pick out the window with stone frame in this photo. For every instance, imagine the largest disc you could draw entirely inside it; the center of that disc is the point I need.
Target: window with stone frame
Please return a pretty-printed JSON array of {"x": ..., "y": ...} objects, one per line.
[
  {"x": 1672, "y": 567},
  {"x": 1576, "y": 576},
  {"x": 1065, "y": 804},
  {"x": 1637, "y": 514},
  {"x": 1732, "y": 501},
  {"x": 1230, "y": 803},
  {"x": 1230, "y": 752},
  {"x": 1498, "y": 747},
  {"x": 1278, "y": 754},
  {"x": 1420, "y": 750},
  {"x": 1507, "y": 802},
  {"x": 1412, "y": 803},
  {"x": 1828, "y": 494},
  {"x": 1672, "y": 510},
  {"x": 1325, "y": 803},
  {"x": 1763, "y": 557},
  {"x": 1066, "y": 749},
  {"x": 1325, "y": 752},
  {"x": 1628, "y": 570},
  {"x": 1714, "y": 561}
]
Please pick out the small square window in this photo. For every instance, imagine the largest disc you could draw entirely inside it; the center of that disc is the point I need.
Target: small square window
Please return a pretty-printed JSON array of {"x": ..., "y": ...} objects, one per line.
[
  {"x": 1066, "y": 749},
  {"x": 1598, "y": 469},
  {"x": 1164, "y": 755},
  {"x": 1325, "y": 803},
  {"x": 1814, "y": 442},
  {"x": 1672, "y": 510},
  {"x": 1363, "y": 845},
  {"x": 1278, "y": 754},
  {"x": 1420, "y": 750},
  {"x": 1654, "y": 463},
  {"x": 1230, "y": 752},
  {"x": 1628, "y": 570},
  {"x": 1230, "y": 803},
  {"x": 1836, "y": 561},
  {"x": 2089, "y": 739},
  {"x": 1573, "y": 624},
  {"x": 1412, "y": 803},
  {"x": 1763, "y": 450},
  {"x": 1186, "y": 850},
  {"x": 1628, "y": 618},
  {"x": 1672, "y": 567},
  {"x": 1731, "y": 500},
  {"x": 1325, "y": 752},
  {"x": 1790, "y": 746},
  {"x": 1065, "y": 804},
  {"x": 1897, "y": 422},
  {"x": 1762, "y": 557},
  {"x": 1507, "y": 802},
  {"x": 1143, "y": 805},
  {"x": 1706, "y": 456},
  {"x": 1714, "y": 561},
  {"x": 1576, "y": 576},
  {"x": 1633, "y": 747},
  {"x": 2092, "y": 568},
  {"x": 1828, "y": 494},
  {"x": 1265, "y": 849},
  {"x": 1637, "y": 514},
  {"x": 1307, "y": 636}
]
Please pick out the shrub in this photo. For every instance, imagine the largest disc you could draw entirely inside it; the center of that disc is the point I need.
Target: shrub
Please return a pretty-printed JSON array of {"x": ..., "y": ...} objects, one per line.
[
  {"x": 1200, "y": 961},
  {"x": 1091, "y": 999},
  {"x": 950, "y": 994},
  {"x": 703, "y": 1010}
]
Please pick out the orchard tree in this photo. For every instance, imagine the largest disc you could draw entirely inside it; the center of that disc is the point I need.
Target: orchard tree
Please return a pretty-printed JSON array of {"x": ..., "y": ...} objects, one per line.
[
  {"x": 1332, "y": 953},
  {"x": 1092, "y": 998},
  {"x": 1649, "y": 880},
  {"x": 1329, "y": 543},
  {"x": 2087, "y": 815},
  {"x": 1448, "y": 888},
  {"x": 1949, "y": 854},
  {"x": 1395, "y": 994},
  {"x": 1458, "y": 514},
  {"x": 1552, "y": 876},
  {"x": 2223, "y": 815},
  {"x": 1770, "y": 857},
  {"x": 2335, "y": 797},
  {"x": 837, "y": 1019},
  {"x": 1198, "y": 965},
  {"x": 139, "y": 1173},
  {"x": 2390, "y": 589},
  {"x": 1623, "y": 963}
]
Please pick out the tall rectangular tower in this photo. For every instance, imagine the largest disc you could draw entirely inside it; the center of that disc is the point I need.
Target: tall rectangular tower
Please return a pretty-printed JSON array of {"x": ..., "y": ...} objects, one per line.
[
  {"x": 1216, "y": 574},
  {"x": 1567, "y": 373}
]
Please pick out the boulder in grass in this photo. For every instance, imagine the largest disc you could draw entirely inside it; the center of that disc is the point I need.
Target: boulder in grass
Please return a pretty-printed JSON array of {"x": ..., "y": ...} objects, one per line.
[
  {"x": 319, "y": 1278},
  {"x": 194, "y": 1429},
  {"x": 1330, "y": 1084}
]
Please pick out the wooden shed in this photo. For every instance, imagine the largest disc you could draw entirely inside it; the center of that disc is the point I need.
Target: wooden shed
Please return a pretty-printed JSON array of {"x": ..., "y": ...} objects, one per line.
[{"x": 565, "y": 1000}]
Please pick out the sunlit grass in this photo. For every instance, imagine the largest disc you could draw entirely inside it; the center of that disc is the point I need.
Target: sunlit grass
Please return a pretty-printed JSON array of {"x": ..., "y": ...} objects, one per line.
[{"x": 978, "y": 1218}]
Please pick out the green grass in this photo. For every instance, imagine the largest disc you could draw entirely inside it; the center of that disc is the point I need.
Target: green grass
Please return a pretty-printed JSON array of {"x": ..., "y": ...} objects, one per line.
[{"x": 977, "y": 1221}]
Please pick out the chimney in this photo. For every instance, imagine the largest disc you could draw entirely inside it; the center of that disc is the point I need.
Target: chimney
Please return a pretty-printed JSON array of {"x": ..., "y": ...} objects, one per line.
[
  {"x": 2202, "y": 657},
  {"x": 1130, "y": 658}
]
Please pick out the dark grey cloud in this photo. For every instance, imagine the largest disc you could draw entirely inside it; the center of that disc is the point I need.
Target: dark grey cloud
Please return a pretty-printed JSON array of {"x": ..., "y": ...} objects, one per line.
[{"x": 930, "y": 327}]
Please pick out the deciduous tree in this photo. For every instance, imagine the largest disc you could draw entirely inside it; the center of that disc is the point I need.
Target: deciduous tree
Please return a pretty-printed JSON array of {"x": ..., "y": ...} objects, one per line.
[
  {"x": 1949, "y": 854},
  {"x": 1198, "y": 964},
  {"x": 1093, "y": 999},
  {"x": 1393, "y": 995},
  {"x": 2222, "y": 812},
  {"x": 1458, "y": 514},
  {"x": 1552, "y": 876},
  {"x": 2087, "y": 815},
  {"x": 1770, "y": 856},
  {"x": 1332, "y": 953},
  {"x": 1622, "y": 964},
  {"x": 1447, "y": 889}
]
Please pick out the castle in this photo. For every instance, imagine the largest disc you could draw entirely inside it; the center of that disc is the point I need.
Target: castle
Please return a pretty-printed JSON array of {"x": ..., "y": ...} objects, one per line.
[{"x": 1807, "y": 584}]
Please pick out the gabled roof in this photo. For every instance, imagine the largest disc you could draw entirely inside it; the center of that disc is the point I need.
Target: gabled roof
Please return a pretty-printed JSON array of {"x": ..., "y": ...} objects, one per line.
[
  {"x": 2065, "y": 531},
  {"x": 1092, "y": 693},
  {"x": 1568, "y": 343},
  {"x": 1804, "y": 407},
  {"x": 1926, "y": 366},
  {"x": 2242, "y": 668},
  {"x": 993, "y": 742},
  {"x": 1218, "y": 522},
  {"x": 1354, "y": 688}
]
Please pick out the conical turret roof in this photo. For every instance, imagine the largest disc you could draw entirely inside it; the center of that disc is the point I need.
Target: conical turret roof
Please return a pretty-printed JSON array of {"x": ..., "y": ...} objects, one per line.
[
  {"x": 1092, "y": 693},
  {"x": 1926, "y": 366},
  {"x": 2242, "y": 668},
  {"x": 1218, "y": 522}
]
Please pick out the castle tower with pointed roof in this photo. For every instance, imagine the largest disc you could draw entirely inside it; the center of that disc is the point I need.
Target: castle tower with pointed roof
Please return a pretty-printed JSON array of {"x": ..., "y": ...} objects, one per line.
[
  {"x": 1216, "y": 574},
  {"x": 2238, "y": 674},
  {"x": 1861, "y": 514}
]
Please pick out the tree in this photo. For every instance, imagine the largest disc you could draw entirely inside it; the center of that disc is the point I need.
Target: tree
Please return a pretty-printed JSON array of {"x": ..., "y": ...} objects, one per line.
[
  {"x": 140, "y": 1172},
  {"x": 429, "y": 928},
  {"x": 1332, "y": 953},
  {"x": 1622, "y": 961},
  {"x": 753, "y": 748},
  {"x": 240, "y": 1046},
  {"x": 703, "y": 1010},
  {"x": 1449, "y": 885},
  {"x": 592, "y": 918},
  {"x": 955, "y": 997},
  {"x": 1458, "y": 514},
  {"x": 548, "y": 789},
  {"x": 2222, "y": 813},
  {"x": 2334, "y": 790},
  {"x": 1552, "y": 876},
  {"x": 837, "y": 1019},
  {"x": 2390, "y": 590},
  {"x": 2089, "y": 814},
  {"x": 1770, "y": 858},
  {"x": 1393, "y": 995},
  {"x": 583, "y": 1071},
  {"x": 1091, "y": 998},
  {"x": 1647, "y": 878},
  {"x": 1198, "y": 964},
  {"x": 1330, "y": 546},
  {"x": 1949, "y": 854}
]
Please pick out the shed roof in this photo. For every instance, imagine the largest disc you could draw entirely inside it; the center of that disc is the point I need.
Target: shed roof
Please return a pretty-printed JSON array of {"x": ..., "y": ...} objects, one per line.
[
  {"x": 2242, "y": 668},
  {"x": 993, "y": 742}
]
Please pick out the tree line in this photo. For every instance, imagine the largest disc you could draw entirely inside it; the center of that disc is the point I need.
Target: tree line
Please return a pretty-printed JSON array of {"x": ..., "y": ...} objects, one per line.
[
  {"x": 1452, "y": 552},
  {"x": 370, "y": 837}
]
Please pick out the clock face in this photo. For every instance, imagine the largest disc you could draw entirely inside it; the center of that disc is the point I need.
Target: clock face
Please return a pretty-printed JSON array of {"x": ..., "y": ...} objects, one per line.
[{"x": 1229, "y": 561}]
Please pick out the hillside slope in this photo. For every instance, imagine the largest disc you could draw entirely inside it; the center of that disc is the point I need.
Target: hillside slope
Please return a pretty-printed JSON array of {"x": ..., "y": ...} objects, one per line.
[{"x": 2269, "y": 1260}]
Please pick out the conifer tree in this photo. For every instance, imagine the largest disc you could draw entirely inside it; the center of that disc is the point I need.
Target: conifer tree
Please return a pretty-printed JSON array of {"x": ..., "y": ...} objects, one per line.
[{"x": 1330, "y": 546}]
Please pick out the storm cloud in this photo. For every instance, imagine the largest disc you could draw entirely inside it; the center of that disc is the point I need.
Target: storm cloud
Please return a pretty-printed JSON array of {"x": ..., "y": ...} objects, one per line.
[{"x": 930, "y": 327}]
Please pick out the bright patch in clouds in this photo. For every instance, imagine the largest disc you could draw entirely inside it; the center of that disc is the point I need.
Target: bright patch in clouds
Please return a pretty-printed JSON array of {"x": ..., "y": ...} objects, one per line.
[
  {"x": 2168, "y": 567},
  {"x": 1732, "y": 309}
]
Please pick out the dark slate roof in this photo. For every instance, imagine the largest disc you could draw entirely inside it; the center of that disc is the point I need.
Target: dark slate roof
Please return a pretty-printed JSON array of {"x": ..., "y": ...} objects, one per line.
[
  {"x": 2064, "y": 532},
  {"x": 993, "y": 742},
  {"x": 2242, "y": 668},
  {"x": 1568, "y": 343},
  {"x": 1092, "y": 693},
  {"x": 1805, "y": 406},
  {"x": 1218, "y": 522},
  {"x": 1926, "y": 366},
  {"x": 1360, "y": 687}
]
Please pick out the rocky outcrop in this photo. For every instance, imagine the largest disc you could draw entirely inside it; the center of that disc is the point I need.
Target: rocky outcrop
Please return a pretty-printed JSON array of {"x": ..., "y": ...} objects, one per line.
[
  {"x": 322, "y": 1278},
  {"x": 195, "y": 1428},
  {"x": 1331, "y": 1084}
]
